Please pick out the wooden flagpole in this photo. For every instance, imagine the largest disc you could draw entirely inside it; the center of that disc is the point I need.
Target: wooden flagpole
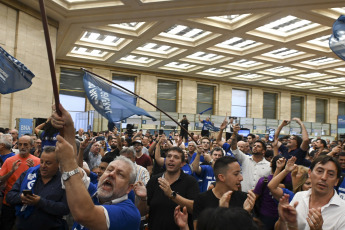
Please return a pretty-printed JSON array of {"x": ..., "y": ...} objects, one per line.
[{"x": 50, "y": 56}]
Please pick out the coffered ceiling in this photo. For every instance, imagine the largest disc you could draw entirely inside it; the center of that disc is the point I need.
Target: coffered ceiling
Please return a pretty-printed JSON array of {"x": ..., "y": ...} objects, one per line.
[{"x": 273, "y": 43}]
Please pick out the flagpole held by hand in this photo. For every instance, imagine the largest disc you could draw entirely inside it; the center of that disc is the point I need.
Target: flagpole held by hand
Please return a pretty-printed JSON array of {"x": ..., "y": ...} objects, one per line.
[{"x": 50, "y": 56}]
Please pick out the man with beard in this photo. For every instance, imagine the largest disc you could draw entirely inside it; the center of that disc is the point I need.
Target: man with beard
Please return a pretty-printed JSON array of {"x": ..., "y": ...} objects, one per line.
[
  {"x": 141, "y": 158},
  {"x": 167, "y": 190},
  {"x": 115, "y": 147},
  {"x": 296, "y": 146},
  {"x": 10, "y": 172},
  {"x": 253, "y": 167},
  {"x": 164, "y": 146},
  {"x": 109, "y": 208}
]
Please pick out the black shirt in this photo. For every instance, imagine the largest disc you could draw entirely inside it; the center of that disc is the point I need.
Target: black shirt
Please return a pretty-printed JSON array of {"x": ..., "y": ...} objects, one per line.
[
  {"x": 209, "y": 200},
  {"x": 161, "y": 214},
  {"x": 115, "y": 153},
  {"x": 184, "y": 123}
]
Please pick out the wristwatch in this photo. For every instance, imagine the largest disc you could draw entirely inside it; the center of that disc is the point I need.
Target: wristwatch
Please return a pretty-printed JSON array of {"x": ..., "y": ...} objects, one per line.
[
  {"x": 66, "y": 175},
  {"x": 172, "y": 195}
]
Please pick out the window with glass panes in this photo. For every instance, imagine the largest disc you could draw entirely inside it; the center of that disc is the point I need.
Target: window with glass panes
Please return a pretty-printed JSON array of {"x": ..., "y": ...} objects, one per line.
[
  {"x": 341, "y": 108},
  {"x": 270, "y": 106},
  {"x": 205, "y": 99},
  {"x": 239, "y": 103},
  {"x": 321, "y": 108},
  {"x": 297, "y": 105},
  {"x": 167, "y": 95},
  {"x": 72, "y": 94}
]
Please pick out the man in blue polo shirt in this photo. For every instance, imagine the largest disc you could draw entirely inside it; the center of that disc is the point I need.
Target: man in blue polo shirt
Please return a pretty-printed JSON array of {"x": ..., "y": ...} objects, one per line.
[{"x": 110, "y": 207}]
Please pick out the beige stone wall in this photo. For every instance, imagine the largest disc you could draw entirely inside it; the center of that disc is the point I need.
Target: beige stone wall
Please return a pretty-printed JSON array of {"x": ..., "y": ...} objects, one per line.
[
  {"x": 189, "y": 94},
  {"x": 256, "y": 103},
  {"x": 225, "y": 94},
  {"x": 22, "y": 36},
  {"x": 333, "y": 111},
  {"x": 284, "y": 103},
  {"x": 310, "y": 106}
]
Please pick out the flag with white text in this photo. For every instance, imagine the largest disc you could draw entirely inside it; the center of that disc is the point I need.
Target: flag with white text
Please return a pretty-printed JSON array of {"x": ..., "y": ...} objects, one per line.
[
  {"x": 14, "y": 75},
  {"x": 111, "y": 102}
]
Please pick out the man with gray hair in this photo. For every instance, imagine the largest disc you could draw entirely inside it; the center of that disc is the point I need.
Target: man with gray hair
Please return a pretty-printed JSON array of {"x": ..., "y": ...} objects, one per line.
[
  {"x": 10, "y": 172},
  {"x": 110, "y": 207},
  {"x": 6, "y": 146},
  {"x": 142, "y": 173}
]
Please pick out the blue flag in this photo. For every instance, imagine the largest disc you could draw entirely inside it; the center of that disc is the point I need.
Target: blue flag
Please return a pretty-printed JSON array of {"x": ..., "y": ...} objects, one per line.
[
  {"x": 112, "y": 103},
  {"x": 205, "y": 110},
  {"x": 14, "y": 76},
  {"x": 211, "y": 127},
  {"x": 337, "y": 39}
]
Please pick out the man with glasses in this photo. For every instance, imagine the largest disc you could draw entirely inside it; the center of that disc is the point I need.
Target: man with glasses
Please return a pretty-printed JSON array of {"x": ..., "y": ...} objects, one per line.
[
  {"x": 296, "y": 146},
  {"x": 253, "y": 167}
]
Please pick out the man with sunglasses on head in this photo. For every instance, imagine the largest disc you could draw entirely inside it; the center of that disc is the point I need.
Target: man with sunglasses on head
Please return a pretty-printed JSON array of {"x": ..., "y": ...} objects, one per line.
[{"x": 296, "y": 146}]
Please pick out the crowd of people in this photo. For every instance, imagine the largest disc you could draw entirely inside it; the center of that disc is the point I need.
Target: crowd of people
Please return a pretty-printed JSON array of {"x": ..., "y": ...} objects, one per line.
[{"x": 136, "y": 180}]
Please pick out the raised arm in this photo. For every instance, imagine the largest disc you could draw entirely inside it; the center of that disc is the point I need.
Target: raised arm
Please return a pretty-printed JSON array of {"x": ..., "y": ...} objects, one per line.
[
  {"x": 40, "y": 127},
  {"x": 273, "y": 185},
  {"x": 279, "y": 129},
  {"x": 159, "y": 159},
  {"x": 118, "y": 139},
  {"x": 305, "y": 137},
  {"x": 220, "y": 133},
  {"x": 200, "y": 119},
  {"x": 196, "y": 163},
  {"x": 78, "y": 197}
]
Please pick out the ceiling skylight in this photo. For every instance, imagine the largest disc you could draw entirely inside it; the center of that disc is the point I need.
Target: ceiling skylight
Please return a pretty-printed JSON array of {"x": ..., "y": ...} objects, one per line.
[
  {"x": 155, "y": 48},
  {"x": 320, "y": 61},
  {"x": 283, "y": 53},
  {"x": 280, "y": 69},
  {"x": 184, "y": 33},
  {"x": 335, "y": 80},
  {"x": 287, "y": 26},
  {"x": 89, "y": 52},
  {"x": 244, "y": 63},
  {"x": 101, "y": 38},
  {"x": 305, "y": 84},
  {"x": 311, "y": 75},
  {"x": 137, "y": 59},
  {"x": 237, "y": 43},
  {"x": 180, "y": 65},
  {"x": 216, "y": 71},
  {"x": 128, "y": 25},
  {"x": 321, "y": 41},
  {"x": 205, "y": 56}
]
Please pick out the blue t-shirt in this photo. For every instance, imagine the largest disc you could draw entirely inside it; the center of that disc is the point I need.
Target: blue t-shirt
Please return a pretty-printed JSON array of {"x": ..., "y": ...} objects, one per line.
[
  {"x": 93, "y": 178},
  {"x": 227, "y": 150},
  {"x": 207, "y": 176},
  {"x": 202, "y": 159},
  {"x": 341, "y": 190},
  {"x": 287, "y": 191},
  {"x": 187, "y": 169},
  {"x": 205, "y": 123},
  {"x": 4, "y": 157},
  {"x": 123, "y": 215}
]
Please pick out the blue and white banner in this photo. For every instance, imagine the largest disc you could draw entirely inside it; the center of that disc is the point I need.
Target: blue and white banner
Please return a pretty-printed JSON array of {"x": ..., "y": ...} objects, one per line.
[
  {"x": 112, "y": 103},
  {"x": 14, "y": 75}
]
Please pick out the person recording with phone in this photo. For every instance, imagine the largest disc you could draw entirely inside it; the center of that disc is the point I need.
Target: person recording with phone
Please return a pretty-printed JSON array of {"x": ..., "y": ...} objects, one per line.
[{"x": 38, "y": 196}]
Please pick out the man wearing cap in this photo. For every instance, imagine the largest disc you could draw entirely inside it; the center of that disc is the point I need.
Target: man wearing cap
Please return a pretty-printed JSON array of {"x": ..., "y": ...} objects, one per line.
[{"x": 140, "y": 158}]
